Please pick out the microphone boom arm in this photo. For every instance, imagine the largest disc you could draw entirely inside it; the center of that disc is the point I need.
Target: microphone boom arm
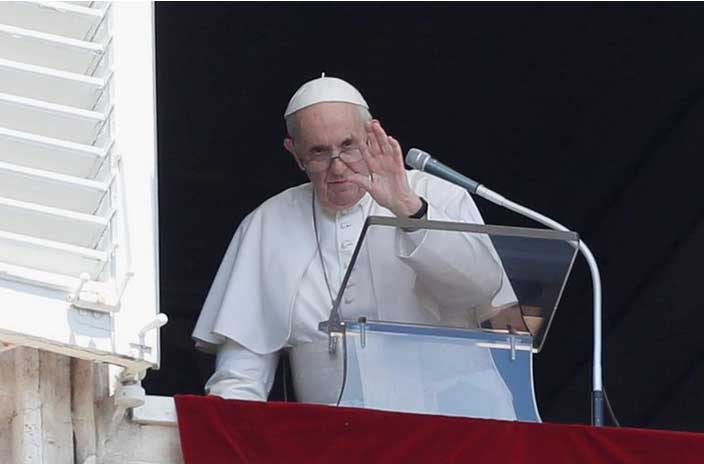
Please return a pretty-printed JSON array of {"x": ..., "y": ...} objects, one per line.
[{"x": 597, "y": 375}]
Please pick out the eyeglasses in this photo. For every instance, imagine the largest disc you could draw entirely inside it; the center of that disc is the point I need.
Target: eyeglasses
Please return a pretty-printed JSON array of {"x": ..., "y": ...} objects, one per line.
[{"x": 320, "y": 162}]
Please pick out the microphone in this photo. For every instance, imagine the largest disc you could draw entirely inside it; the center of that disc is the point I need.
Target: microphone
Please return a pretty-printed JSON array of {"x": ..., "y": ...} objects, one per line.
[{"x": 422, "y": 161}]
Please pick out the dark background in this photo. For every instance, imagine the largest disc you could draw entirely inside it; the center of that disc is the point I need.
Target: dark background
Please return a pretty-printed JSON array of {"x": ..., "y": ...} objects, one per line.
[{"x": 590, "y": 113}]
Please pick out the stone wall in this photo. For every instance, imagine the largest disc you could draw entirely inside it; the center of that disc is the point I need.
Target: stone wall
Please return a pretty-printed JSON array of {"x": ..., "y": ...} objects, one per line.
[{"x": 56, "y": 410}]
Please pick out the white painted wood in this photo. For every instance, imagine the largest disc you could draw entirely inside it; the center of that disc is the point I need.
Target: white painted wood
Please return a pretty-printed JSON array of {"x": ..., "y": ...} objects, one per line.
[
  {"x": 59, "y": 225},
  {"x": 90, "y": 4},
  {"x": 49, "y": 50},
  {"x": 157, "y": 410},
  {"x": 59, "y": 18},
  {"x": 50, "y": 256},
  {"x": 80, "y": 350},
  {"x": 58, "y": 320},
  {"x": 65, "y": 284},
  {"x": 46, "y": 243},
  {"x": 50, "y": 189},
  {"x": 50, "y": 120},
  {"x": 54, "y": 402},
  {"x": 49, "y": 154},
  {"x": 135, "y": 129},
  {"x": 49, "y": 85}
]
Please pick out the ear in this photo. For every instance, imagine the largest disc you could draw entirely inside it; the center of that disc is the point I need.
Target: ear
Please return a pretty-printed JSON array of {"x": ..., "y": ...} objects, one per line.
[{"x": 288, "y": 145}]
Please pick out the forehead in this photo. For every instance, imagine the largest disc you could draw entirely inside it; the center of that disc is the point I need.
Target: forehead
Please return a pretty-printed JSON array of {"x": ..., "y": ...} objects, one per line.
[{"x": 323, "y": 121}]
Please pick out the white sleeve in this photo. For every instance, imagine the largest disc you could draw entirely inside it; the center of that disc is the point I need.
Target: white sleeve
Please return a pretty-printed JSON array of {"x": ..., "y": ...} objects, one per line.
[
  {"x": 456, "y": 269},
  {"x": 454, "y": 266},
  {"x": 242, "y": 374}
]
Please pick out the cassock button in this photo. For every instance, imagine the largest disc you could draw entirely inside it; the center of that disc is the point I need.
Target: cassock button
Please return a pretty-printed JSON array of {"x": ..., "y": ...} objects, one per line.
[
  {"x": 349, "y": 300},
  {"x": 345, "y": 225},
  {"x": 346, "y": 244}
]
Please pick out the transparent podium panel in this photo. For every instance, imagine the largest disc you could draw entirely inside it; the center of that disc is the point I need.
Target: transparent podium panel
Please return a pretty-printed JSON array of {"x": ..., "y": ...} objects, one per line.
[
  {"x": 450, "y": 274},
  {"x": 444, "y": 317},
  {"x": 438, "y": 371}
]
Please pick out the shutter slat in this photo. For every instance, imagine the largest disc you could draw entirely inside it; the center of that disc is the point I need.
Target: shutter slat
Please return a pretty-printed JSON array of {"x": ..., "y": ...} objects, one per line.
[
  {"x": 50, "y": 189},
  {"x": 49, "y": 154},
  {"x": 50, "y": 85},
  {"x": 58, "y": 18},
  {"x": 54, "y": 224},
  {"x": 51, "y": 256},
  {"x": 49, "y": 120},
  {"x": 48, "y": 50}
]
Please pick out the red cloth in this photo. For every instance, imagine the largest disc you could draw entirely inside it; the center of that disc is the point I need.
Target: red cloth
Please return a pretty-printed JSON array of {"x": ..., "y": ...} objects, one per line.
[{"x": 214, "y": 430}]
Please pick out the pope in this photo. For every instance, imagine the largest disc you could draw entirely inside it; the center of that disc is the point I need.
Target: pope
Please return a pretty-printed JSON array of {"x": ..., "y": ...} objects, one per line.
[{"x": 286, "y": 261}]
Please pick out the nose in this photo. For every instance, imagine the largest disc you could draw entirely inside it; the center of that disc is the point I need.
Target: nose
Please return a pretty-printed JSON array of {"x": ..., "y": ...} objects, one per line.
[{"x": 337, "y": 166}]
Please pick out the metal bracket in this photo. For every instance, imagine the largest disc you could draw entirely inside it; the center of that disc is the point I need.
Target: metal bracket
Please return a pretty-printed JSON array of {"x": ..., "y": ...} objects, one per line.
[
  {"x": 142, "y": 349},
  {"x": 76, "y": 295},
  {"x": 160, "y": 320},
  {"x": 362, "y": 331},
  {"x": 332, "y": 344},
  {"x": 335, "y": 328},
  {"x": 512, "y": 345},
  {"x": 102, "y": 300}
]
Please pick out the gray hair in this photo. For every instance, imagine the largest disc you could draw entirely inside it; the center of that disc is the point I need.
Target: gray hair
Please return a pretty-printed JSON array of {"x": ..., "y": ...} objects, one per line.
[{"x": 292, "y": 126}]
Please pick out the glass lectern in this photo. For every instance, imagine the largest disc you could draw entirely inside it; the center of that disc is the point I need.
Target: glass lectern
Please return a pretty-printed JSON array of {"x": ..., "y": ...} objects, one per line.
[{"x": 444, "y": 317}]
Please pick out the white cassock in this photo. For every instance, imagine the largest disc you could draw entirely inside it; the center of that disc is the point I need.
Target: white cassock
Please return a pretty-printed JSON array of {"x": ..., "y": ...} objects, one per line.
[{"x": 270, "y": 292}]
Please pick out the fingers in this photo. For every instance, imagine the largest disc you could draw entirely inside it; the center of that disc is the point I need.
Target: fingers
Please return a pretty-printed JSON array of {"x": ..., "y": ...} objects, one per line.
[
  {"x": 373, "y": 143},
  {"x": 395, "y": 147},
  {"x": 379, "y": 142},
  {"x": 381, "y": 138},
  {"x": 369, "y": 159}
]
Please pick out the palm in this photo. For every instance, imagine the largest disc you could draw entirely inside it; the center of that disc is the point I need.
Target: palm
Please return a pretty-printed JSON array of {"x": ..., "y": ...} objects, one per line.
[{"x": 387, "y": 182}]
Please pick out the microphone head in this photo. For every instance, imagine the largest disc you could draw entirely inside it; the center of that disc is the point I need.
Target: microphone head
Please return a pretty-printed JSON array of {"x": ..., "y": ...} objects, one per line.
[{"x": 417, "y": 159}]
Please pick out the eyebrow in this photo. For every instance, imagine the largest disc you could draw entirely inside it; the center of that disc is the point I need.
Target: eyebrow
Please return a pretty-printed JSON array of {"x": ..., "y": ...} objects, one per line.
[{"x": 320, "y": 147}]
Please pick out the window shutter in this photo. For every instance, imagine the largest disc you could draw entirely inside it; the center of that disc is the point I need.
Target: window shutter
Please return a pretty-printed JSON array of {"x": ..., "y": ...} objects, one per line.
[{"x": 78, "y": 192}]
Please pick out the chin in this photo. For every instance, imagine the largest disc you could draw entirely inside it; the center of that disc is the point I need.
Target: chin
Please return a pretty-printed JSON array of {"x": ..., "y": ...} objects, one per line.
[{"x": 344, "y": 200}]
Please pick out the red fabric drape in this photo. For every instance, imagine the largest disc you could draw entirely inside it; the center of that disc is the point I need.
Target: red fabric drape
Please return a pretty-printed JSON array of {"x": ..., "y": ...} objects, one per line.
[{"x": 214, "y": 430}]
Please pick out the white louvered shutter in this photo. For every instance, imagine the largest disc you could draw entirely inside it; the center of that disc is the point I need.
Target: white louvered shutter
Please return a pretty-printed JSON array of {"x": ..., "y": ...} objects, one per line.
[{"x": 78, "y": 192}]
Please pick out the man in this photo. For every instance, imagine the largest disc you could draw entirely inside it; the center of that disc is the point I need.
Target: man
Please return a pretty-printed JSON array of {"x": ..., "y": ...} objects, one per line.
[{"x": 286, "y": 261}]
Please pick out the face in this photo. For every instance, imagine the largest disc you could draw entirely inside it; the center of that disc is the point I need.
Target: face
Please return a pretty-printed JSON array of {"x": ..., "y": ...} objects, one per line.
[{"x": 330, "y": 127}]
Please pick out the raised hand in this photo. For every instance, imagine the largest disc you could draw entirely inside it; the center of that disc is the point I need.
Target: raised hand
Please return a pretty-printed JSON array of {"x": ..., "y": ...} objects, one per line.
[{"x": 387, "y": 182}]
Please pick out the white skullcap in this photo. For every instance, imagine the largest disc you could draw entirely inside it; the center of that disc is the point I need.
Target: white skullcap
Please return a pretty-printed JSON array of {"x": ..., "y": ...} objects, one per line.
[{"x": 324, "y": 89}]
